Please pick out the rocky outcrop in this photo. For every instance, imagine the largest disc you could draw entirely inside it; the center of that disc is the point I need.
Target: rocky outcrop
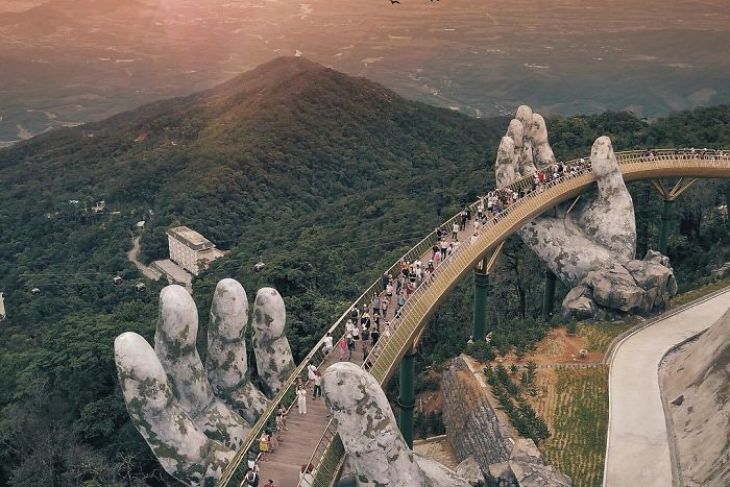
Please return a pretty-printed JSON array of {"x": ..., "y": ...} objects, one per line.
[
  {"x": 471, "y": 424},
  {"x": 638, "y": 286},
  {"x": 470, "y": 470},
  {"x": 525, "y": 468},
  {"x": 591, "y": 246},
  {"x": 479, "y": 439},
  {"x": 695, "y": 383}
]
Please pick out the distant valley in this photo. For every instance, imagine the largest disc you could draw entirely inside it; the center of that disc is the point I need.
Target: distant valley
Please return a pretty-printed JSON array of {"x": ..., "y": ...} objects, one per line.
[{"x": 66, "y": 62}]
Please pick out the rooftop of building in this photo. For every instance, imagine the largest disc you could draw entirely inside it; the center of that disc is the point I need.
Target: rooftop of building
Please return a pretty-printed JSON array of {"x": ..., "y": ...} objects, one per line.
[{"x": 190, "y": 237}]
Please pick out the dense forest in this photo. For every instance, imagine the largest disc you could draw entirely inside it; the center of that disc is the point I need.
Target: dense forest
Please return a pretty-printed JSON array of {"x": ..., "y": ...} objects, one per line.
[{"x": 324, "y": 177}]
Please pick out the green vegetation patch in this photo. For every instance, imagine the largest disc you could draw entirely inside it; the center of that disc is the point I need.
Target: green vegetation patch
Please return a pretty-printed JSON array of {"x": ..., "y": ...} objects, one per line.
[{"x": 579, "y": 425}]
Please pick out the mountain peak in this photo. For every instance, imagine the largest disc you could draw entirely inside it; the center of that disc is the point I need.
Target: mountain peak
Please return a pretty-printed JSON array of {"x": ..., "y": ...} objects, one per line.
[{"x": 278, "y": 70}]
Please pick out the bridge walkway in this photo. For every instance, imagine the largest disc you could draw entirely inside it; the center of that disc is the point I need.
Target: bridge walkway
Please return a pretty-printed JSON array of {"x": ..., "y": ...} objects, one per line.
[{"x": 305, "y": 431}]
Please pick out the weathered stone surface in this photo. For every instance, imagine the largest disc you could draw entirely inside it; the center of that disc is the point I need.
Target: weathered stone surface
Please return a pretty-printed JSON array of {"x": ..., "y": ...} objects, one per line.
[
  {"x": 178, "y": 407},
  {"x": 657, "y": 257},
  {"x": 177, "y": 331},
  {"x": 534, "y": 475},
  {"x": 613, "y": 287},
  {"x": 591, "y": 244},
  {"x": 470, "y": 470},
  {"x": 638, "y": 286},
  {"x": 477, "y": 436},
  {"x": 226, "y": 363},
  {"x": 370, "y": 435},
  {"x": 182, "y": 449},
  {"x": 608, "y": 218},
  {"x": 500, "y": 472},
  {"x": 579, "y": 303},
  {"x": 538, "y": 134},
  {"x": 525, "y": 450},
  {"x": 273, "y": 354},
  {"x": 696, "y": 379},
  {"x": 504, "y": 165},
  {"x": 471, "y": 424}
]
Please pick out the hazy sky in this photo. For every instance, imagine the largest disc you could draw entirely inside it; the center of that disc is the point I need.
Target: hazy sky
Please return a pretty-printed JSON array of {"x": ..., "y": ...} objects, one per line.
[{"x": 70, "y": 61}]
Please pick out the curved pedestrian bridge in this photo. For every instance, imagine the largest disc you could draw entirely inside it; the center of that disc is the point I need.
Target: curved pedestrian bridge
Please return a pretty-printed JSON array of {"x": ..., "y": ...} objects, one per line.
[{"x": 313, "y": 439}]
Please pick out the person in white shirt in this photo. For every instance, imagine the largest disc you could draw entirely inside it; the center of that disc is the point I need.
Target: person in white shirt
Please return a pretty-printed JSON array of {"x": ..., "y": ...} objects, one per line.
[
  {"x": 328, "y": 344},
  {"x": 311, "y": 371}
]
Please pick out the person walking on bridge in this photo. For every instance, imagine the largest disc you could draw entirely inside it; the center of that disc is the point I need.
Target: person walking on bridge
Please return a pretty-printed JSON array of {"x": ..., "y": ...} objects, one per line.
[
  {"x": 317, "y": 392},
  {"x": 377, "y": 304},
  {"x": 301, "y": 400},
  {"x": 342, "y": 346},
  {"x": 454, "y": 231},
  {"x": 328, "y": 343}
]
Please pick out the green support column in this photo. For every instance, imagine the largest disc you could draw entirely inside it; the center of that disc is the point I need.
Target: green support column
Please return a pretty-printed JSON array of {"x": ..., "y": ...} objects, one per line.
[
  {"x": 481, "y": 294},
  {"x": 548, "y": 294},
  {"x": 407, "y": 397},
  {"x": 664, "y": 229}
]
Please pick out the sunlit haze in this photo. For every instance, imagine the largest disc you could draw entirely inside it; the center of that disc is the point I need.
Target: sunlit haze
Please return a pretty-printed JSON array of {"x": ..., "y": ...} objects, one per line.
[{"x": 69, "y": 61}]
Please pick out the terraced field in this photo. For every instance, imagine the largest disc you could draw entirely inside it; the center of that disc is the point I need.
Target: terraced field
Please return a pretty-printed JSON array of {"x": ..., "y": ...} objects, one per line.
[{"x": 577, "y": 416}]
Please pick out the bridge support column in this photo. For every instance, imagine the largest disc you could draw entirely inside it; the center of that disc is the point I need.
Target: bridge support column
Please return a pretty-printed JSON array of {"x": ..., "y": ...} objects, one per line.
[
  {"x": 481, "y": 296},
  {"x": 664, "y": 226},
  {"x": 668, "y": 196},
  {"x": 548, "y": 294},
  {"x": 407, "y": 396}
]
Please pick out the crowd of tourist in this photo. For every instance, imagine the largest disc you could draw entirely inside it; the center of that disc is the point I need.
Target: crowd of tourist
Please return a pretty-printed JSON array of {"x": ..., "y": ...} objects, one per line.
[{"x": 691, "y": 152}]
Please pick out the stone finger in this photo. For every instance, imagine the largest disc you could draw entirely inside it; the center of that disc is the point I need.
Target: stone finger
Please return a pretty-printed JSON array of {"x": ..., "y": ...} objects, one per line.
[
  {"x": 543, "y": 153},
  {"x": 523, "y": 152},
  {"x": 608, "y": 219},
  {"x": 273, "y": 353},
  {"x": 227, "y": 363},
  {"x": 368, "y": 429},
  {"x": 182, "y": 449},
  {"x": 526, "y": 161},
  {"x": 175, "y": 345},
  {"x": 506, "y": 165}
]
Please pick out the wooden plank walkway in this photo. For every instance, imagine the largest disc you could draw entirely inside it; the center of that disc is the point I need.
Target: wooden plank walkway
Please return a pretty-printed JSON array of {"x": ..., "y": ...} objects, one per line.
[{"x": 299, "y": 442}]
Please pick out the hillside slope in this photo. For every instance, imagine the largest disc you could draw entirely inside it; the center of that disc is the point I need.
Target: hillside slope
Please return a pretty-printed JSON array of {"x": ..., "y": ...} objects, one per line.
[{"x": 696, "y": 381}]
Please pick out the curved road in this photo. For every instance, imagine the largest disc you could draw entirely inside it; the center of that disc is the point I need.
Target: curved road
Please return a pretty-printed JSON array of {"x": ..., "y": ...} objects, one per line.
[{"x": 638, "y": 444}]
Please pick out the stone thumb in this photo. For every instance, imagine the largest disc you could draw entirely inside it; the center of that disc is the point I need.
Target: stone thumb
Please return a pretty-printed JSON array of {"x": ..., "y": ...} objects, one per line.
[
  {"x": 367, "y": 427},
  {"x": 182, "y": 449}
]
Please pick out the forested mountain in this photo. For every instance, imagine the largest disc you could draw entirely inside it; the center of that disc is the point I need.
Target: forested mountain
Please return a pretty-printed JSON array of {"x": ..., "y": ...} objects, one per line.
[{"x": 324, "y": 177}]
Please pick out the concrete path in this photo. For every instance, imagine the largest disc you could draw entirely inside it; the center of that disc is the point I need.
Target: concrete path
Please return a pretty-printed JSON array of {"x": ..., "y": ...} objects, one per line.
[{"x": 638, "y": 443}]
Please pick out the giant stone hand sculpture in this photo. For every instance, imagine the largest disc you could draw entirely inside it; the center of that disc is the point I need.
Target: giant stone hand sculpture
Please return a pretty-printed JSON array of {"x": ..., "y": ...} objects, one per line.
[
  {"x": 371, "y": 438},
  {"x": 591, "y": 247},
  {"x": 195, "y": 417}
]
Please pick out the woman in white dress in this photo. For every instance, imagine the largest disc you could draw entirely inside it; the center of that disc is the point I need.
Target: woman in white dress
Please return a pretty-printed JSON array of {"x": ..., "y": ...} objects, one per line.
[{"x": 301, "y": 400}]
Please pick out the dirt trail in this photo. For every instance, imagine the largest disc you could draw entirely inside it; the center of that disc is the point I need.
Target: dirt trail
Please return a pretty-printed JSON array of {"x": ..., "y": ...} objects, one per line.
[{"x": 133, "y": 257}]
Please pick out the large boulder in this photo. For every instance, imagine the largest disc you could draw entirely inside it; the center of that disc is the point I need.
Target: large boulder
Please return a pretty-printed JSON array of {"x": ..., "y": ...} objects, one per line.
[
  {"x": 471, "y": 471},
  {"x": 525, "y": 450},
  {"x": 535, "y": 475},
  {"x": 638, "y": 286}
]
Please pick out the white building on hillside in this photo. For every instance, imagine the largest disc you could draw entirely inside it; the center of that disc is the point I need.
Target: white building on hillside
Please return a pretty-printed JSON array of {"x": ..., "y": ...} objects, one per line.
[
  {"x": 190, "y": 250},
  {"x": 2, "y": 307}
]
